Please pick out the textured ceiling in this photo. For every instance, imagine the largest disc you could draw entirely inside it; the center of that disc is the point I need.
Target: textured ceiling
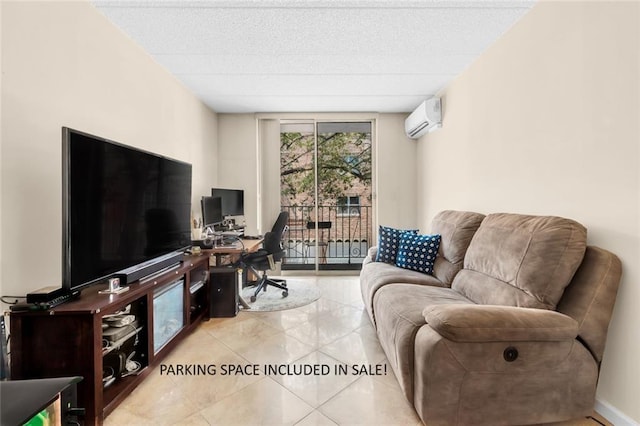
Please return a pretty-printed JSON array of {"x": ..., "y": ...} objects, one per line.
[{"x": 314, "y": 56}]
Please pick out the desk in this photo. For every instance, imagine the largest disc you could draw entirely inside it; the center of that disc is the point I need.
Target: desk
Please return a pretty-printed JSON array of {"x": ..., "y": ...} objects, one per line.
[{"x": 234, "y": 252}]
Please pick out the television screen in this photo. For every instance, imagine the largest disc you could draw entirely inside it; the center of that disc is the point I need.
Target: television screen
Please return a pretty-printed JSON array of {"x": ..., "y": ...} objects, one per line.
[
  {"x": 232, "y": 201},
  {"x": 121, "y": 207}
]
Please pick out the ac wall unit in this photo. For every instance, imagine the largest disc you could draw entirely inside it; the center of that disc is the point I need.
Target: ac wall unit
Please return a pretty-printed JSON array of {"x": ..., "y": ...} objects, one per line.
[{"x": 425, "y": 118}]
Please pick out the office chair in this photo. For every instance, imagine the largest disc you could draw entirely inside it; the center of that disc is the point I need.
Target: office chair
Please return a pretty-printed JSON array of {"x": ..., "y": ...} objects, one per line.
[{"x": 265, "y": 258}]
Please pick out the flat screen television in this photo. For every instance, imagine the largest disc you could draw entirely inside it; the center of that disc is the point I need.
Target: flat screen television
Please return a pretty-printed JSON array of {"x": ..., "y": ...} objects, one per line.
[
  {"x": 232, "y": 201},
  {"x": 125, "y": 211}
]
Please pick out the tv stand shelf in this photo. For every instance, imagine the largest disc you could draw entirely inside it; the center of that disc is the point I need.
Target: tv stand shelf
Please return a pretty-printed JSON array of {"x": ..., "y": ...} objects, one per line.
[{"x": 68, "y": 340}]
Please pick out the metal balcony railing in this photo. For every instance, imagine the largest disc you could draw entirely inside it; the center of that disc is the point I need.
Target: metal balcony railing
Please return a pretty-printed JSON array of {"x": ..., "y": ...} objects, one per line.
[{"x": 340, "y": 236}]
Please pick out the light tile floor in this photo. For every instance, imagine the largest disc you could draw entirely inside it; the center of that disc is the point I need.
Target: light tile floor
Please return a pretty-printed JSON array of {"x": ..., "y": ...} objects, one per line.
[{"x": 334, "y": 331}]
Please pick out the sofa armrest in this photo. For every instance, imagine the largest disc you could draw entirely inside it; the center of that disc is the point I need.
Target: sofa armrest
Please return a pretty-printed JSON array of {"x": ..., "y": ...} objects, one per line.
[{"x": 490, "y": 323}]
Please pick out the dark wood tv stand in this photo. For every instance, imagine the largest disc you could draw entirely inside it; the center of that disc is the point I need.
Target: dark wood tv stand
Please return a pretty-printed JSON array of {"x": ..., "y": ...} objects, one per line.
[{"x": 68, "y": 339}]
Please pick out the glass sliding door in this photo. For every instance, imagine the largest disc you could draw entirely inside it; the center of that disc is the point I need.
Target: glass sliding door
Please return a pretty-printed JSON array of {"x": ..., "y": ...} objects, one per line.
[
  {"x": 326, "y": 187},
  {"x": 298, "y": 191}
]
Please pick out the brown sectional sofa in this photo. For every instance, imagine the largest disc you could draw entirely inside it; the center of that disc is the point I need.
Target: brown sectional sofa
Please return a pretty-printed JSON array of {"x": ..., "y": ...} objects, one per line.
[{"x": 509, "y": 329}]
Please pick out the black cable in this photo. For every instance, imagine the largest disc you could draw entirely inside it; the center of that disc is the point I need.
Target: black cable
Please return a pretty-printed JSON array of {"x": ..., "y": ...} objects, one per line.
[
  {"x": 135, "y": 330},
  {"x": 2, "y": 298}
]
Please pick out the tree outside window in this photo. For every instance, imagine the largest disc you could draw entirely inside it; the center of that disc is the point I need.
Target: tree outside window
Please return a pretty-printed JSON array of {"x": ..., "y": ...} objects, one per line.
[{"x": 344, "y": 162}]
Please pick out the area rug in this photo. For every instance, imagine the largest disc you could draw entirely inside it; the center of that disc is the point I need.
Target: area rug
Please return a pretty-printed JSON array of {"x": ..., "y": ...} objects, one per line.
[{"x": 301, "y": 292}]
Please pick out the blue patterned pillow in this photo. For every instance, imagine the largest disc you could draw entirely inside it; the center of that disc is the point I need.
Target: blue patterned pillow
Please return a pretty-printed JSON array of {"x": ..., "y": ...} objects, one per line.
[
  {"x": 388, "y": 241},
  {"x": 418, "y": 252}
]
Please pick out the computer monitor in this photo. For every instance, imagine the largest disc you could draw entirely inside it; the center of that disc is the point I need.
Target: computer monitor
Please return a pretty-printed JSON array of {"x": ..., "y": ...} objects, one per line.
[
  {"x": 211, "y": 212},
  {"x": 232, "y": 201}
]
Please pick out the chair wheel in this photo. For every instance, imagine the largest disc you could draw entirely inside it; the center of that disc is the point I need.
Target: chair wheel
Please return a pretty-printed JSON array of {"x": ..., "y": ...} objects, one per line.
[
  {"x": 253, "y": 299},
  {"x": 285, "y": 293}
]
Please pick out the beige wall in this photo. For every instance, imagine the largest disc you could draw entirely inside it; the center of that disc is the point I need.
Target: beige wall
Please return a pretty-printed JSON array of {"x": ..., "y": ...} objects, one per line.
[
  {"x": 394, "y": 158},
  {"x": 237, "y": 161},
  {"x": 547, "y": 122},
  {"x": 64, "y": 64},
  {"x": 269, "y": 173},
  {"x": 396, "y": 171}
]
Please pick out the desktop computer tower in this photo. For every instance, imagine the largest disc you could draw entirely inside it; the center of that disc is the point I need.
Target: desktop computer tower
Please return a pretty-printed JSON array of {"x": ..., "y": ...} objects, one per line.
[{"x": 224, "y": 292}]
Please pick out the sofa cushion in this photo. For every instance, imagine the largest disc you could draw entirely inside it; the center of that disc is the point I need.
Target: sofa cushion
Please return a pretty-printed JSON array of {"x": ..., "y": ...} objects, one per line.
[
  {"x": 418, "y": 252},
  {"x": 378, "y": 274},
  {"x": 456, "y": 228},
  {"x": 399, "y": 314},
  {"x": 388, "y": 241},
  {"x": 521, "y": 260}
]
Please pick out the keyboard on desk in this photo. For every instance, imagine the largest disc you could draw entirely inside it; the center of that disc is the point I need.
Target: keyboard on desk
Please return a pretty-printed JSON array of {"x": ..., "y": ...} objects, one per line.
[
  {"x": 230, "y": 241},
  {"x": 232, "y": 233}
]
